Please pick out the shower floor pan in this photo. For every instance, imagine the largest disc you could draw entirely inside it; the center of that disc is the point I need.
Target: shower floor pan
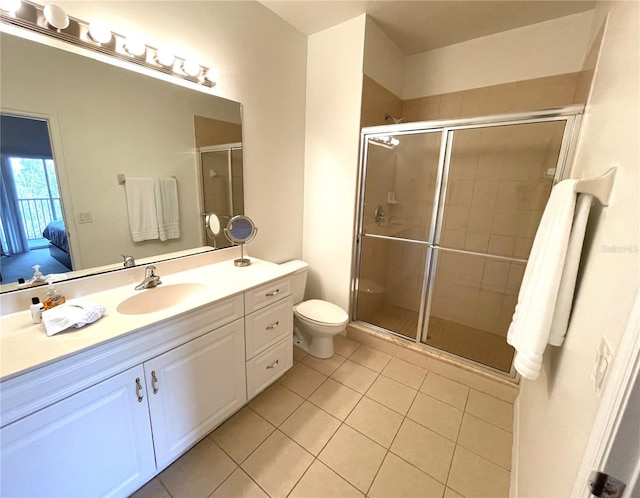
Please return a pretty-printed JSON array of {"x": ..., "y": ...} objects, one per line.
[{"x": 467, "y": 342}]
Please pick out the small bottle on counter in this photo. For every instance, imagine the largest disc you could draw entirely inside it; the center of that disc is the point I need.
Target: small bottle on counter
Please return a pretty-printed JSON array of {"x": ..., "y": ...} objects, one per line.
[
  {"x": 53, "y": 298},
  {"x": 36, "y": 310}
]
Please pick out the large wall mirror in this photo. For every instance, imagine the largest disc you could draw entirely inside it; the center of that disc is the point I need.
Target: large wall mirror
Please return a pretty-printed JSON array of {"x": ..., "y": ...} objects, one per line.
[{"x": 101, "y": 124}]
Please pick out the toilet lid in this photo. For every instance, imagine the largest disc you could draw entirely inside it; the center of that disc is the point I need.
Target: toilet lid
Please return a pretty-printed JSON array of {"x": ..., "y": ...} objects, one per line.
[{"x": 322, "y": 311}]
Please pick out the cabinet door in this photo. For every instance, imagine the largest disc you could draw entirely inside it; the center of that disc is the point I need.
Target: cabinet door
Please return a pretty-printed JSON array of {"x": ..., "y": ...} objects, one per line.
[
  {"x": 94, "y": 443},
  {"x": 193, "y": 388}
]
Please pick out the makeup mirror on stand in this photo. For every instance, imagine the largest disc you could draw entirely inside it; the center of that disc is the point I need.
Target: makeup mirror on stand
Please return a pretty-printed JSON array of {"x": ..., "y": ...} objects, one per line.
[
  {"x": 212, "y": 225},
  {"x": 241, "y": 230}
]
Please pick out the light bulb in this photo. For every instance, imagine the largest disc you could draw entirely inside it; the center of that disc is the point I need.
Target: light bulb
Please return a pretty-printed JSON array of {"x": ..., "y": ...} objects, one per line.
[
  {"x": 191, "y": 68},
  {"x": 99, "y": 31},
  {"x": 55, "y": 16},
  {"x": 212, "y": 76},
  {"x": 10, "y": 6},
  {"x": 165, "y": 57},
  {"x": 135, "y": 46}
]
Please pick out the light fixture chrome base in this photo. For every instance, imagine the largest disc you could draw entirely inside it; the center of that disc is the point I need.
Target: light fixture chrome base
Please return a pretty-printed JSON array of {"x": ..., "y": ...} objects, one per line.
[{"x": 242, "y": 262}]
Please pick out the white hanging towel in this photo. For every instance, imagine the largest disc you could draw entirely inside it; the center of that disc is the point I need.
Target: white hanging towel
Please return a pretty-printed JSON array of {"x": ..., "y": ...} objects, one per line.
[
  {"x": 166, "y": 194},
  {"x": 546, "y": 294},
  {"x": 567, "y": 288},
  {"x": 141, "y": 206}
]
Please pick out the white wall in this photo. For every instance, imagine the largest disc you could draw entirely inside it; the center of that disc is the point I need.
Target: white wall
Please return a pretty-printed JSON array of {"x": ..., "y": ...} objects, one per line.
[
  {"x": 557, "y": 411},
  {"x": 543, "y": 49},
  {"x": 334, "y": 93},
  {"x": 383, "y": 59},
  {"x": 262, "y": 61}
]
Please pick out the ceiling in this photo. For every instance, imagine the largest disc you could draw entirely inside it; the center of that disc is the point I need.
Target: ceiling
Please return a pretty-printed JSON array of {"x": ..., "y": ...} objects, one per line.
[{"x": 420, "y": 25}]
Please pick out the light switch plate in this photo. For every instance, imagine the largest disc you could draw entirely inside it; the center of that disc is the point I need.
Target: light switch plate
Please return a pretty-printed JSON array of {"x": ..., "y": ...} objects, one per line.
[
  {"x": 85, "y": 217},
  {"x": 604, "y": 357}
]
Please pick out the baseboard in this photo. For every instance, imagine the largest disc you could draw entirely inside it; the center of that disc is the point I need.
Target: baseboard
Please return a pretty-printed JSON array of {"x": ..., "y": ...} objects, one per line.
[{"x": 515, "y": 447}]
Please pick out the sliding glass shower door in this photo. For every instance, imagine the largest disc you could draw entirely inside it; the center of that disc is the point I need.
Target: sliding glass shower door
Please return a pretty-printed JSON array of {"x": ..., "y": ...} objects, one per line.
[
  {"x": 222, "y": 191},
  {"x": 400, "y": 192},
  {"x": 445, "y": 229}
]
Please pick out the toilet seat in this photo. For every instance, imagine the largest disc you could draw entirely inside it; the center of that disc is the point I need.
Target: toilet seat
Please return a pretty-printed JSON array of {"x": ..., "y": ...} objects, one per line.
[{"x": 321, "y": 312}]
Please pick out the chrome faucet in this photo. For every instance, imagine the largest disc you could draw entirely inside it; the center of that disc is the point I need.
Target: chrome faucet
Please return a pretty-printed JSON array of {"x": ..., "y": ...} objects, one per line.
[
  {"x": 150, "y": 279},
  {"x": 129, "y": 262}
]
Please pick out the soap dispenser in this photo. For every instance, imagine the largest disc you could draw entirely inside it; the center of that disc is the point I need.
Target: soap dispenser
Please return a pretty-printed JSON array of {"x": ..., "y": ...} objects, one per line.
[
  {"x": 38, "y": 277},
  {"x": 53, "y": 297}
]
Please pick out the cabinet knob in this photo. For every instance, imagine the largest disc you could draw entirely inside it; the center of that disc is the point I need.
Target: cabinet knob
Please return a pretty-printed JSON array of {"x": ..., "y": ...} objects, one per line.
[
  {"x": 154, "y": 382},
  {"x": 273, "y": 293},
  {"x": 274, "y": 364},
  {"x": 273, "y": 325},
  {"x": 139, "y": 390}
]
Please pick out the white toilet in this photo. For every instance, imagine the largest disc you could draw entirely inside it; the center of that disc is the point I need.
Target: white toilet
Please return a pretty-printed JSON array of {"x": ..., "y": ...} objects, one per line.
[{"x": 315, "y": 322}]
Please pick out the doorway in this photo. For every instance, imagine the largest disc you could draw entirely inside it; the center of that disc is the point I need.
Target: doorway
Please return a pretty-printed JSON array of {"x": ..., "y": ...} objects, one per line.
[{"x": 32, "y": 225}]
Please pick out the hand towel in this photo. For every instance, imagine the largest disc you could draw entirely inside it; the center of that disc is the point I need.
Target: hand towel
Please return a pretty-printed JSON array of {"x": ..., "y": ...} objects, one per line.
[
  {"x": 567, "y": 288},
  {"x": 166, "y": 197},
  {"x": 532, "y": 321},
  {"x": 141, "y": 205},
  {"x": 77, "y": 313}
]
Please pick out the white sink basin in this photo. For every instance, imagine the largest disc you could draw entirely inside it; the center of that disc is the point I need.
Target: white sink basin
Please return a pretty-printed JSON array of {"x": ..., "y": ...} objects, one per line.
[{"x": 158, "y": 298}]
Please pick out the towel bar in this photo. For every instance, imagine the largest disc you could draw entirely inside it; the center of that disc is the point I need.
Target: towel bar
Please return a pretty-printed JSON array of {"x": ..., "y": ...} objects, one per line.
[
  {"x": 122, "y": 179},
  {"x": 599, "y": 187}
]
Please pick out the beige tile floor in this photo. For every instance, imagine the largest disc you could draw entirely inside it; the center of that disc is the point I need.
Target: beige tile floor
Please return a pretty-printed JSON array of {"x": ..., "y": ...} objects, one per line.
[{"x": 362, "y": 423}]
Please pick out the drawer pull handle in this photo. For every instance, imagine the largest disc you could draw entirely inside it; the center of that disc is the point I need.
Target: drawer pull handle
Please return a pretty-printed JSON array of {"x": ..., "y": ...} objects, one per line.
[
  {"x": 274, "y": 364},
  {"x": 154, "y": 382},
  {"x": 273, "y": 325},
  {"x": 139, "y": 390},
  {"x": 273, "y": 293}
]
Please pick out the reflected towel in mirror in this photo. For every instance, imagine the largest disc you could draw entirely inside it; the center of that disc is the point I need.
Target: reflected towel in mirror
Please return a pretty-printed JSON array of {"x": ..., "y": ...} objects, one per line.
[
  {"x": 141, "y": 207},
  {"x": 166, "y": 198}
]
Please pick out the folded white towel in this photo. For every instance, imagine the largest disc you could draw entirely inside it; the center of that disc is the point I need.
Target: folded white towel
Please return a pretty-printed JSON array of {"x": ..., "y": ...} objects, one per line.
[
  {"x": 530, "y": 329},
  {"x": 141, "y": 205},
  {"x": 166, "y": 195},
  {"x": 75, "y": 314}
]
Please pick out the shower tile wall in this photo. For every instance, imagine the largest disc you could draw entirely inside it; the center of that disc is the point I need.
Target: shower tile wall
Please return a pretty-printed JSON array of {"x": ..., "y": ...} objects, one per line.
[{"x": 519, "y": 96}]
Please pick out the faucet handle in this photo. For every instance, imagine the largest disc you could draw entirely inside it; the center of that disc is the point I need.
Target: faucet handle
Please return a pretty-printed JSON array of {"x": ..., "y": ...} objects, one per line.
[
  {"x": 150, "y": 271},
  {"x": 129, "y": 262}
]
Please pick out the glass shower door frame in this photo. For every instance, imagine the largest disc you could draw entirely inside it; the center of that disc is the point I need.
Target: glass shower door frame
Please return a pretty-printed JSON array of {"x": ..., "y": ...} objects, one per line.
[
  {"x": 572, "y": 116},
  {"x": 360, "y": 234}
]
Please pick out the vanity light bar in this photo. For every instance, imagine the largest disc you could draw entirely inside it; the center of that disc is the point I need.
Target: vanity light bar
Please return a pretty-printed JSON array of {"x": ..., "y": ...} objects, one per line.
[{"x": 95, "y": 36}]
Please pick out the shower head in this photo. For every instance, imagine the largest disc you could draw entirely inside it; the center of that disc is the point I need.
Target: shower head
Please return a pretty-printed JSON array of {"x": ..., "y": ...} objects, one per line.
[{"x": 388, "y": 117}]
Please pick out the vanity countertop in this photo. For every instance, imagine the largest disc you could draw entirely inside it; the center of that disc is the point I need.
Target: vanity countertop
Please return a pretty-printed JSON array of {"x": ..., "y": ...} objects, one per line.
[{"x": 25, "y": 346}]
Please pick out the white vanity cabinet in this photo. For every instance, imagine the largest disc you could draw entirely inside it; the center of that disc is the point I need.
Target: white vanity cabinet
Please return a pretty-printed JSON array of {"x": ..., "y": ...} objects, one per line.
[
  {"x": 105, "y": 420},
  {"x": 98, "y": 439},
  {"x": 193, "y": 388},
  {"x": 268, "y": 330}
]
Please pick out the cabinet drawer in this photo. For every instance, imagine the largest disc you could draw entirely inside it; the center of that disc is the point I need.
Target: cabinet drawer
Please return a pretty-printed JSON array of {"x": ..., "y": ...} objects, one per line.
[
  {"x": 267, "y": 326},
  {"x": 266, "y": 294},
  {"x": 265, "y": 368}
]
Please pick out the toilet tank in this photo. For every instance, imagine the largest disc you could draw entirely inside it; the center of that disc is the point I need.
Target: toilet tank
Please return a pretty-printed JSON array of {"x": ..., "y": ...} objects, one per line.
[{"x": 299, "y": 278}]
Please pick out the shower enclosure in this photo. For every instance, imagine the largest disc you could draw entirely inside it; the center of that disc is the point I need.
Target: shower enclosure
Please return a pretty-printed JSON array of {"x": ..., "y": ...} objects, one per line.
[
  {"x": 222, "y": 191},
  {"x": 447, "y": 213}
]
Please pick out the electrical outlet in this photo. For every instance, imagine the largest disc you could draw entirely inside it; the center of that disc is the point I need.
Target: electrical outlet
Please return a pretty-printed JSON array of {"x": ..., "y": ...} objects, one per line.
[
  {"x": 85, "y": 217},
  {"x": 604, "y": 357}
]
